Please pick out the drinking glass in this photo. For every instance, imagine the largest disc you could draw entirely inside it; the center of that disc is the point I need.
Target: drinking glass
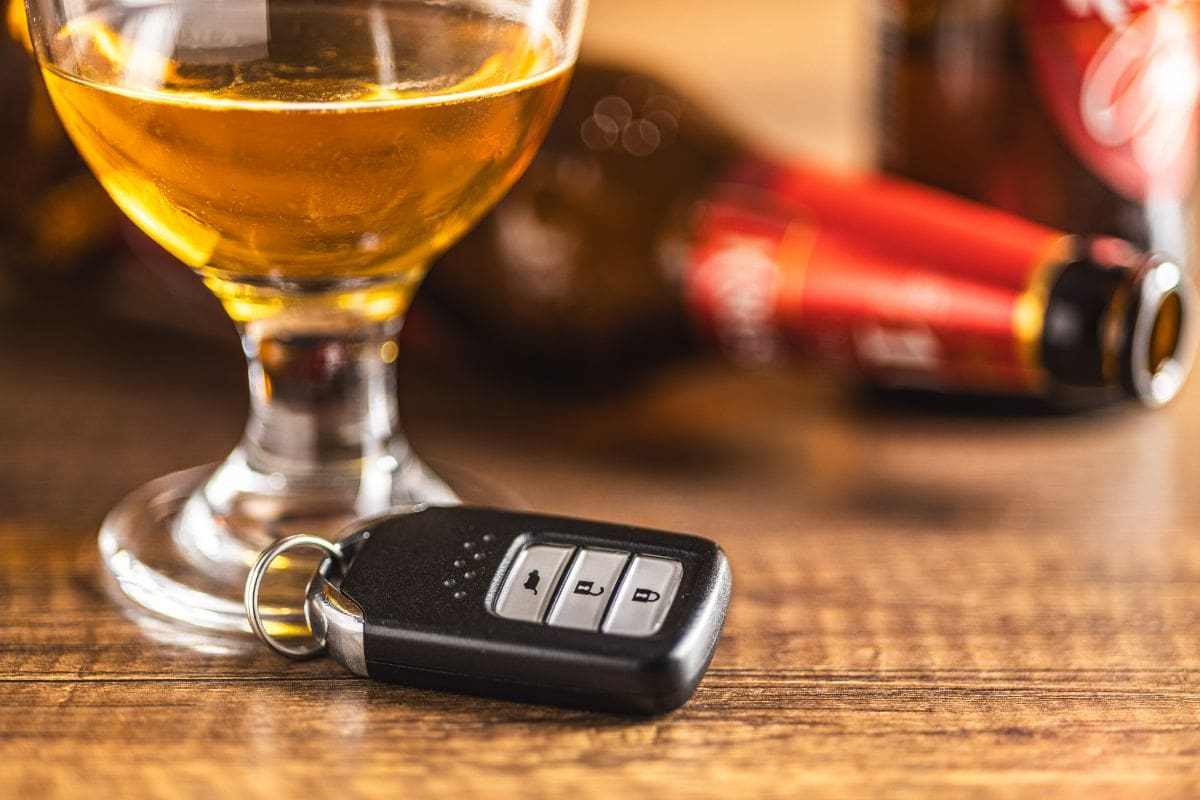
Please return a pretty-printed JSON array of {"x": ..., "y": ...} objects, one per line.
[{"x": 308, "y": 158}]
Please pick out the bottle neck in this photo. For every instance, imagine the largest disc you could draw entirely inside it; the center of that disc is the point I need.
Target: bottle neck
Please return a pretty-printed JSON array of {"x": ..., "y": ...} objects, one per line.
[
  {"x": 884, "y": 278},
  {"x": 902, "y": 285},
  {"x": 1120, "y": 322}
]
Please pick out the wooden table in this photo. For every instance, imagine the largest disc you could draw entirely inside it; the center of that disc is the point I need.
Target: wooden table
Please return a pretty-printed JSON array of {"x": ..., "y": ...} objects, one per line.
[{"x": 950, "y": 601}]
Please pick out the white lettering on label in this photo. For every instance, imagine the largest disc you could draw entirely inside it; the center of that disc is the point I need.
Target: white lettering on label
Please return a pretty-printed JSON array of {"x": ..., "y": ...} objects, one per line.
[
  {"x": 742, "y": 280},
  {"x": 913, "y": 348},
  {"x": 1142, "y": 85}
]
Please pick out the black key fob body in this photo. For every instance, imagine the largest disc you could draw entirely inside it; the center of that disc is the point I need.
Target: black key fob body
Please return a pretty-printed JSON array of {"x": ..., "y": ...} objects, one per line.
[{"x": 524, "y": 606}]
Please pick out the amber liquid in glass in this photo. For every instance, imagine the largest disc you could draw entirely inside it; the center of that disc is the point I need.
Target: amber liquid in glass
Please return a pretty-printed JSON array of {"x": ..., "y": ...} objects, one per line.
[{"x": 324, "y": 155}]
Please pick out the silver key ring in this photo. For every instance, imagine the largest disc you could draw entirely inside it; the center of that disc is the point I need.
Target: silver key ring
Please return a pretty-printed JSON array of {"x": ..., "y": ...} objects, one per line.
[{"x": 254, "y": 583}]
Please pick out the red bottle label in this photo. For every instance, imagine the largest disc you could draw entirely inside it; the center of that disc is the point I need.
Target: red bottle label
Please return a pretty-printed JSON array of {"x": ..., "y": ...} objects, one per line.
[
  {"x": 1122, "y": 78},
  {"x": 898, "y": 283}
]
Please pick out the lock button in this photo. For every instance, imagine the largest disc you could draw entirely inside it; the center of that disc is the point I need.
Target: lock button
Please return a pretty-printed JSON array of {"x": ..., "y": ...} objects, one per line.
[
  {"x": 645, "y": 596},
  {"x": 587, "y": 589}
]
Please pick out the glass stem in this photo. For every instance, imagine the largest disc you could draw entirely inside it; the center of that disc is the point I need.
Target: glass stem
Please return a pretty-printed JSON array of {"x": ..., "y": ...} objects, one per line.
[
  {"x": 321, "y": 400},
  {"x": 323, "y": 444}
]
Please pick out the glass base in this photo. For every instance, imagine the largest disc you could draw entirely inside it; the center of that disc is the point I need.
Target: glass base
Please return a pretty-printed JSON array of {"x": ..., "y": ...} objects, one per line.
[{"x": 166, "y": 554}]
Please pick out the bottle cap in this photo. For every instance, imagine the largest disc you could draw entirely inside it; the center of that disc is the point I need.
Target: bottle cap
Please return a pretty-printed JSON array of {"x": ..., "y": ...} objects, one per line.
[{"x": 1158, "y": 332}]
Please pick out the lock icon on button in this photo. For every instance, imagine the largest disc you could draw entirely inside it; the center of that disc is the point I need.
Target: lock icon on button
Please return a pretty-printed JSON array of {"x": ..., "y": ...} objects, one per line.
[
  {"x": 645, "y": 596},
  {"x": 588, "y": 588}
]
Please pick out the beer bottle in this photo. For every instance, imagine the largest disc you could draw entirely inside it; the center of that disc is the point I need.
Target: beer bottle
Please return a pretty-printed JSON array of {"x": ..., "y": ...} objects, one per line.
[
  {"x": 1079, "y": 114},
  {"x": 54, "y": 218},
  {"x": 643, "y": 230}
]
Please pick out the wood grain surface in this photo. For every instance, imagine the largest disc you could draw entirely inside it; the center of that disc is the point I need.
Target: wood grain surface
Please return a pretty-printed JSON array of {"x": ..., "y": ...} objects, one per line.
[{"x": 928, "y": 602}]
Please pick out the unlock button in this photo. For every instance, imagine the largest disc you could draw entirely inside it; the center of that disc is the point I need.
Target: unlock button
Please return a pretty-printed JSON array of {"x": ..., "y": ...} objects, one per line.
[
  {"x": 587, "y": 589},
  {"x": 645, "y": 596}
]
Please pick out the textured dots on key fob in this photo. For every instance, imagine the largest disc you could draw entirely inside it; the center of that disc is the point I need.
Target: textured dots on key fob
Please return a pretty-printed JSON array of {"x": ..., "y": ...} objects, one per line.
[{"x": 459, "y": 563}]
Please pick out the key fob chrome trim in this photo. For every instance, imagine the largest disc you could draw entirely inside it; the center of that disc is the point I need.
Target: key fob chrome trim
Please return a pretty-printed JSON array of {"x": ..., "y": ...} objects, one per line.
[{"x": 336, "y": 621}]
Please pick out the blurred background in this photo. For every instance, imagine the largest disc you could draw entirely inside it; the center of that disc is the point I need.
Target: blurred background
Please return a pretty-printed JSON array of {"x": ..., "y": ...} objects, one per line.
[
  {"x": 796, "y": 77},
  {"x": 945, "y": 91}
]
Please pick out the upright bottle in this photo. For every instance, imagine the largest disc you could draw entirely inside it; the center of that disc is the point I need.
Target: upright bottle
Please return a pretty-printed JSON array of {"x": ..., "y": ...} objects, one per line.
[
  {"x": 1079, "y": 114},
  {"x": 643, "y": 230},
  {"x": 54, "y": 217}
]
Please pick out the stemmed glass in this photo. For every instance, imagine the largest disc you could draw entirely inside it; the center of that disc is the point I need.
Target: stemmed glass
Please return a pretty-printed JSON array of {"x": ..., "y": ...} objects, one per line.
[{"x": 308, "y": 158}]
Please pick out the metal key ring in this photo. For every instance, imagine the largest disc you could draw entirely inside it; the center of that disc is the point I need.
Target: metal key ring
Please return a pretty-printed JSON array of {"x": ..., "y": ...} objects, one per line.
[{"x": 254, "y": 583}]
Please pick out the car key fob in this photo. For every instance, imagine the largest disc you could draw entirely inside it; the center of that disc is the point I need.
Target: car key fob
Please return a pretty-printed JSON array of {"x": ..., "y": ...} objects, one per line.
[{"x": 524, "y": 606}]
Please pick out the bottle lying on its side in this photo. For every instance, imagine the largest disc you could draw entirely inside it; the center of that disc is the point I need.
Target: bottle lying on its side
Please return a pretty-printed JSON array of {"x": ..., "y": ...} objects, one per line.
[{"x": 644, "y": 230}]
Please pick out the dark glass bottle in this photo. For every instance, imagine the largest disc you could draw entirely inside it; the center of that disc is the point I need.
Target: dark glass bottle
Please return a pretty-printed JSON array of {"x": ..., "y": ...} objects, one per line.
[
  {"x": 55, "y": 220},
  {"x": 644, "y": 230},
  {"x": 1079, "y": 114}
]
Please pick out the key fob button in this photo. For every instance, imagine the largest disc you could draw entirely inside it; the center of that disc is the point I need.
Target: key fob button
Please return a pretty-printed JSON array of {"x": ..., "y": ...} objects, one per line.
[
  {"x": 587, "y": 589},
  {"x": 645, "y": 596},
  {"x": 531, "y": 580}
]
